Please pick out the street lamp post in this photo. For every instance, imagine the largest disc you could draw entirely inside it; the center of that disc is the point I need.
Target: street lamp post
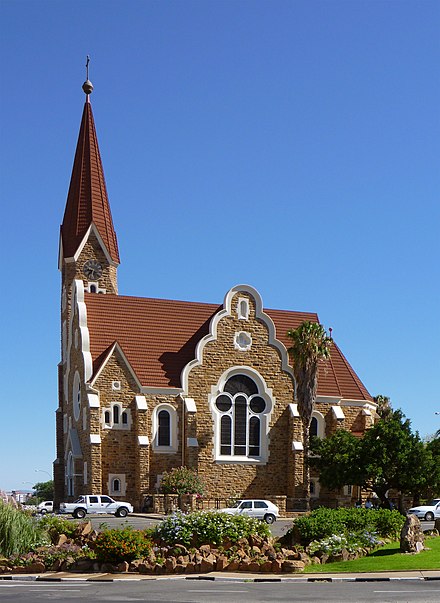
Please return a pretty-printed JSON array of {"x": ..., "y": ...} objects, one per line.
[{"x": 43, "y": 471}]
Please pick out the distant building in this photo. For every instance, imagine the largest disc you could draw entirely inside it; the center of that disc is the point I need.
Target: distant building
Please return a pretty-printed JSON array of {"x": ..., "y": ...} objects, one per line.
[{"x": 146, "y": 385}]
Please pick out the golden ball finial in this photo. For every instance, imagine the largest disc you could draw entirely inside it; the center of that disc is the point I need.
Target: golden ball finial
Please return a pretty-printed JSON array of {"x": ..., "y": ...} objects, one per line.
[{"x": 87, "y": 87}]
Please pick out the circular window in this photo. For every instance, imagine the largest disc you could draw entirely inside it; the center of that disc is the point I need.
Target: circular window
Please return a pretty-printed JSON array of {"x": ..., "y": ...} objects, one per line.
[
  {"x": 257, "y": 404},
  {"x": 223, "y": 403}
]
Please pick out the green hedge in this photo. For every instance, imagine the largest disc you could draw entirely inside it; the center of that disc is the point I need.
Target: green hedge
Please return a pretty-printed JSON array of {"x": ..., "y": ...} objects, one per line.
[{"x": 325, "y": 522}]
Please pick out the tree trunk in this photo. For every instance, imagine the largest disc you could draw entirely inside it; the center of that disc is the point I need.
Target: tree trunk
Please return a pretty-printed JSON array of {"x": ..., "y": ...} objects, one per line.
[{"x": 306, "y": 428}]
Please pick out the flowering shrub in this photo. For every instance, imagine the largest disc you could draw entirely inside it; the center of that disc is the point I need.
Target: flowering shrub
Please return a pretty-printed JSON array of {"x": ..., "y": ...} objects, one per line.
[
  {"x": 351, "y": 542},
  {"x": 126, "y": 544},
  {"x": 181, "y": 480},
  {"x": 203, "y": 527}
]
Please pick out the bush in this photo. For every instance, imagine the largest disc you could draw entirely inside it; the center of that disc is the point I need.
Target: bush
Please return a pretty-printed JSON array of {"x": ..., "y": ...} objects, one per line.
[
  {"x": 181, "y": 480},
  {"x": 335, "y": 544},
  {"x": 324, "y": 522},
  {"x": 126, "y": 544},
  {"x": 55, "y": 526},
  {"x": 208, "y": 527},
  {"x": 19, "y": 533}
]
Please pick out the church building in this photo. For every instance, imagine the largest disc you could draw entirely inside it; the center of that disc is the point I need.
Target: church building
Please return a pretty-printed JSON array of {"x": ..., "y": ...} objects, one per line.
[{"x": 146, "y": 385}]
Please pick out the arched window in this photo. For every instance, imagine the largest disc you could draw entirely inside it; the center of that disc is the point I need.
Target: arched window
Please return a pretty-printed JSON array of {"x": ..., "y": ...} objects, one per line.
[
  {"x": 115, "y": 414},
  {"x": 107, "y": 417},
  {"x": 317, "y": 425},
  {"x": 242, "y": 409},
  {"x": 70, "y": 473},
  {"x": 164, "y": 428},
  {"x": 124, "y": 418},
  {"x": 92, "y": 288},
  {"x": 116, "y": 485}
]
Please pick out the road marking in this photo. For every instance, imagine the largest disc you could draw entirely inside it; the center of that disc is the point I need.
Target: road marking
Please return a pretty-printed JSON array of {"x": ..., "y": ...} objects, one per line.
[
  {"x": 404, "y": 591},
  {"x": 218, "y": 590}
]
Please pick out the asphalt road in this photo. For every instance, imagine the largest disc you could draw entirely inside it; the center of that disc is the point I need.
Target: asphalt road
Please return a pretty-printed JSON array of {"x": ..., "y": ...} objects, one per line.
[{"x": 196, "y": 591}]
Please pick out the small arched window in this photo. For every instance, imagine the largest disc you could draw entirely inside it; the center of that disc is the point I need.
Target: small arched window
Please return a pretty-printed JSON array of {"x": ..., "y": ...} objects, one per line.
[
  {"x": 92, "y": 288},
  {"x": 313, "y": 430},
  {"x": 124, "y": 418},
  {"x": 115, "y": 415},
  {"x": 107, "y": 417},
  {"x": 116, "y": 485}
]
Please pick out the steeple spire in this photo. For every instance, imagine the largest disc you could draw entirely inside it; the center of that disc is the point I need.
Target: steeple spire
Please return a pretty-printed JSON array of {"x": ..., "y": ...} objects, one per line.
[{"x": 87, "y": 200}]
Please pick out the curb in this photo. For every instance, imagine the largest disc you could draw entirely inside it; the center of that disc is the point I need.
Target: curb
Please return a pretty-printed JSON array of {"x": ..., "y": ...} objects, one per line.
[{"x": 207, "y": 578}]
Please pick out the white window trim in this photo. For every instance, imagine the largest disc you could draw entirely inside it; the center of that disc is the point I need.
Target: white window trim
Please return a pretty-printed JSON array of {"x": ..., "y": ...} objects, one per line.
[
  {"x": 95, "y": 284},
  {"x": 76, "y": 396},
  {"x": 122, "y": 483},
  {"x": 173, "y": 429},
  {"x": 239, "y": 338},
  {"x": 243, "y": 308},
  {"x": 266, "y": 393},
  {"x": 321, "y": 423},
  {"x": 119, "y": 425}
]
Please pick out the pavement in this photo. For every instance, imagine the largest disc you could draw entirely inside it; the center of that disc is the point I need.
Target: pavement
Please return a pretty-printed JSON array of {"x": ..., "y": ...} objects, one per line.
[{"x": 229, "y": 577}]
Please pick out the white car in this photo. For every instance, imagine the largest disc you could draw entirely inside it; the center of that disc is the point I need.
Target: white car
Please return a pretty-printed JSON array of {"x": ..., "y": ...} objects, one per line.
[
  {"x": 45, "y": 507},
  {"x": 256, "y": 508},
  {"x": 96, "y": 503},
  {"x": 427, "y": 512}
]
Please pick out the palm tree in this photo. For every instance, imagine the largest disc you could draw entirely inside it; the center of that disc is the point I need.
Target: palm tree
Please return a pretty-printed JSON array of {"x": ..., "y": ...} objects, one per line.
[{"x": 310, "y": 345}]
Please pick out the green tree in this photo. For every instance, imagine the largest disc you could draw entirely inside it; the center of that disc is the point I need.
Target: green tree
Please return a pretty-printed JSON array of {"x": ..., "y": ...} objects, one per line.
[
  {"x": 388, "y": 456},
  {"x": 338, "y": 459},
  {"x": 44, "y": 490},
  {"x": 310, "y": 346}
]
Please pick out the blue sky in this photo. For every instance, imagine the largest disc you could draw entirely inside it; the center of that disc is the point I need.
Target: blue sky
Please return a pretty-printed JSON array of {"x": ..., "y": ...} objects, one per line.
[{"x": 293, "y": 146}]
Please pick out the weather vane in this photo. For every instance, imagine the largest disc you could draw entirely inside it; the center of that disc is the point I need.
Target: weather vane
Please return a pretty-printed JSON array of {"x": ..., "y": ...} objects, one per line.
[{"x": 87, "y": 67}]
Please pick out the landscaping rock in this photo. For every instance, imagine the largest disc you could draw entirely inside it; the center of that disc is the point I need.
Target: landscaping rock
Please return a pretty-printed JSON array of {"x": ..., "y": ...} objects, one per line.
[
  {"x": 411, "y": 536},
  {"x": 222, "y": 563},
  {"x": 61, "y": 540}
]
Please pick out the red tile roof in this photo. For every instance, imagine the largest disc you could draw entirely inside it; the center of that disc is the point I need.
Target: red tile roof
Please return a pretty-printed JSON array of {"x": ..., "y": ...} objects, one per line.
[
  {"x": 87, "y": 199},
  {"x": 159, "y": 337}
]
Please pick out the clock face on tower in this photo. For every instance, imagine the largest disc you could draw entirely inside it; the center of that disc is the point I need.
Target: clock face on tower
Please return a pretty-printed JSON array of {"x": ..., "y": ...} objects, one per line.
[{"x": 92, "y": 270}]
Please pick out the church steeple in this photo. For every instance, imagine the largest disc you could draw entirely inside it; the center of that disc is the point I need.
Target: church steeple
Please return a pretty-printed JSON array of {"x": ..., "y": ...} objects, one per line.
[{"x": 87, "y": 201}]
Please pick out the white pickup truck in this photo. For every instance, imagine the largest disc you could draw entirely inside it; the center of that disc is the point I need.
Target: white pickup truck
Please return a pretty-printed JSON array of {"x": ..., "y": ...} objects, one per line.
[{"x": 95, "y": 503}]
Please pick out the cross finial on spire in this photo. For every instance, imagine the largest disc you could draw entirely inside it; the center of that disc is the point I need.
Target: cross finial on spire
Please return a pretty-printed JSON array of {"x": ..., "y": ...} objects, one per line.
[{"x": 87, "y": 86}]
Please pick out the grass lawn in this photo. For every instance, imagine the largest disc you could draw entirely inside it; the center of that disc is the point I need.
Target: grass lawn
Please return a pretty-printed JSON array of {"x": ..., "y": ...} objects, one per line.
[{"x": 387, "y": 558}]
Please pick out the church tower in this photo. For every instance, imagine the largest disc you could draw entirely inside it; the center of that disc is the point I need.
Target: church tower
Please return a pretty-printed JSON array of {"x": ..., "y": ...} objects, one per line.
[{"x": 88, "y": 251}]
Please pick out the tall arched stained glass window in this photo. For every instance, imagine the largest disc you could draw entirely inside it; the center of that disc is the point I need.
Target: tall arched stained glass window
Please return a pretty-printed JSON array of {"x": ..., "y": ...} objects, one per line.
[{"x": 241, "y": 407}]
